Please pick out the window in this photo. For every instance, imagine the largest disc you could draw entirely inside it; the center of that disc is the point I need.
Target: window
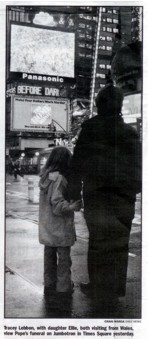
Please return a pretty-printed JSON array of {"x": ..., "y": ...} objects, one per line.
[
  {"x": 114, "y": 11},
  {"x": 17, "y": 16},
  {"x": 89, "y": 56},
  {"x": 80, "y": 16},
  {"x": 100, "y": 75},
  {"x": 109, "y": 38},
  {"x": 88, "y": 36},
  {"x": 115, "y": 21},
  {"x": 109, "y": 11},
  {"x": 109, "y": 48},
  {"x": 103, "y": 29},
  {"x": 102, "y": 66},
  {"x": 81, "y": 35},
  {"x": 88, "y": 17},
  {"x": 103, "y": 9},
  {"x": 89, "y": 46},
  {"x": 115, "y": 30},
  {"x": 81, "y": 45},
  {"x": 22, "y": 17},
  {"x": 82, "y": 55},
  {"x": 102, "y": 47},
  {"x": 134, "y": 19},
  {"x": 81, "y": 25},
  {"x": 108, "y": 66},
  {"x": 109, "y": 20},
  {"x": 101, "y": 85},
  {"x": 89, "y": 8},
  {"x": 102, "y": 37},
  {"x": 104, "y": 19},
  {"x": 89, "y": 27},
  {"x": 109, "y": 29}
]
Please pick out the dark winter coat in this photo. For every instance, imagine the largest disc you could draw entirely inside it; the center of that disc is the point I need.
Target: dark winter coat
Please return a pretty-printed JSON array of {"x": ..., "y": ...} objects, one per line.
[
  {"x": 107, "y": 156},
  {"x": 107, "y": 159}
]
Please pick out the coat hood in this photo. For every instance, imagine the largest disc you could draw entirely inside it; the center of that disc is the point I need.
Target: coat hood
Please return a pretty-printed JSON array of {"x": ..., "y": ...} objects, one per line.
[{"x": 46, "y": 179}]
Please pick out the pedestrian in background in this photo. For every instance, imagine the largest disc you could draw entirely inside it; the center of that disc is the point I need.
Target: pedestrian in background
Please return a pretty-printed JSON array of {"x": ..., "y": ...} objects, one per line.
[
  {"x": 107, "y": 159},
  {"x": 16, "y": 169},
  {"x": 56, "y": 222}
]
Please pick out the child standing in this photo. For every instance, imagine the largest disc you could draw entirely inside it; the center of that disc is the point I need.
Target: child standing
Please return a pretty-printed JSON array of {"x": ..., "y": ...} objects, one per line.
[{"x": 56, "y": 222}]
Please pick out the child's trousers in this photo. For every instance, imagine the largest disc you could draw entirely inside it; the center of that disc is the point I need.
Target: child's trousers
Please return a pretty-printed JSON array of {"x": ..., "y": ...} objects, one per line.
[{"x": 57, "y": 272}]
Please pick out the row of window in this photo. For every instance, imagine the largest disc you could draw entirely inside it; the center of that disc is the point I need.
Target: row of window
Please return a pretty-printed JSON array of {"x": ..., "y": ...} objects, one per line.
[
  {"x": 84, "y": 36},
  {"x": 82, "y": 25},
  {"x": 100, "y": 75},
  {"x": 109, "y": 20},
  {"x": 87, "y": 17},
  {"x": 110, "y": 29},
  {"x": 18, "y": 16},
  {"x": 103, "y": 66},
  {"x": 134, "y": 19},
  {"x": 83, "y": 45},
  {"x": 134, "y": 29},
  {"x": 106, "y": 38},
  {"x": 89, "y": 8},
  {"x": 107, "y": 48},
  {"x": 109, "y": 10},
  {"x": 85, "y": 55}
]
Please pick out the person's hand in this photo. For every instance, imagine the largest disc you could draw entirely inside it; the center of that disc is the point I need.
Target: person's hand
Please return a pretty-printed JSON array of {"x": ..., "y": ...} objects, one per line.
[{"x": 76, "y": 206}]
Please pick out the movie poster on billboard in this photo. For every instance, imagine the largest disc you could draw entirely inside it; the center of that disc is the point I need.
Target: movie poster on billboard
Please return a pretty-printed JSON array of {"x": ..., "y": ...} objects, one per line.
[{"x": 25, "y": 50}]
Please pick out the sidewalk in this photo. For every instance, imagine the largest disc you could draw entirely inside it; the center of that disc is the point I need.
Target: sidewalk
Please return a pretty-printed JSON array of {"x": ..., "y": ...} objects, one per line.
[{"x": 24, "y": 261}]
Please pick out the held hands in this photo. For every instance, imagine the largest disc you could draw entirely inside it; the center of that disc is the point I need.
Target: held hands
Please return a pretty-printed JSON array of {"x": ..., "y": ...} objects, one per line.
[{"x": 76, "y": 206}]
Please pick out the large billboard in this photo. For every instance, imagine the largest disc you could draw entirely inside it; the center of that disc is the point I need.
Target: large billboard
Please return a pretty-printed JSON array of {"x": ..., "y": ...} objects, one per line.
[
  {"x": 36, "y": 114},
  {"x": 42, "y": 51}
]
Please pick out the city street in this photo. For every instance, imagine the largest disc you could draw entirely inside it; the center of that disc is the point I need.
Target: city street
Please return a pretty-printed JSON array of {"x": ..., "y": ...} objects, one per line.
[{"x": 24, "y": 263}]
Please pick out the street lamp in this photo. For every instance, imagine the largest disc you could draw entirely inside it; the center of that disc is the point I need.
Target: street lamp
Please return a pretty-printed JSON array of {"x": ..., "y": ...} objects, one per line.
[{"x": 37, "y": 154}]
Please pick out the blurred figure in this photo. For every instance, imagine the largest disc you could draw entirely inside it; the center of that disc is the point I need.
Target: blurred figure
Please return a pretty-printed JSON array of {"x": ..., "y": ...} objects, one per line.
[
  {"x": 16, "y": 169},
  {"x": 107, "y": 159}
]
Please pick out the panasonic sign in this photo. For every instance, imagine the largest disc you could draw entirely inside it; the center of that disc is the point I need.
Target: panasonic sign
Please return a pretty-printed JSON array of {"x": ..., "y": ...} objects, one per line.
[{"x": 27, "y": 76}]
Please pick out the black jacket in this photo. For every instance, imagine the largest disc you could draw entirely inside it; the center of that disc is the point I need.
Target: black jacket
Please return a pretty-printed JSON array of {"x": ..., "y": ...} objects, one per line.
[{"x": 107, "y": 155}]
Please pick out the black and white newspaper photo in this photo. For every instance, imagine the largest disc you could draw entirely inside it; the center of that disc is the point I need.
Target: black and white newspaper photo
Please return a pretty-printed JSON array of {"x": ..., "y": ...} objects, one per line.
[{"x": 73, "y": 169}]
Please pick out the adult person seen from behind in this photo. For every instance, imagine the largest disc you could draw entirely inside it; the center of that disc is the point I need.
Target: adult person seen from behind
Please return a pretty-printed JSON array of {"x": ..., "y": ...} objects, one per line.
[{"x": 107, "y": 159}]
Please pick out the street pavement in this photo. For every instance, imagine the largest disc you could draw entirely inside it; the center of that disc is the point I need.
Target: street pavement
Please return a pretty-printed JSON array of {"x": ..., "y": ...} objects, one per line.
[{"x": 24, "y": 263}]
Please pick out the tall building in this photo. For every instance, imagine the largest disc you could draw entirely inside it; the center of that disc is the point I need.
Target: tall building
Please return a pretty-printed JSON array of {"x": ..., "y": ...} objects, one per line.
[{"x": 117, "y": 27}]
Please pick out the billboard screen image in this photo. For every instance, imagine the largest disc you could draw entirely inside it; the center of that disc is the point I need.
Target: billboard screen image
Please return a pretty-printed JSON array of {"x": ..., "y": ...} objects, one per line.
[
  {"x": 42, "y": 51},
  {"x": 41, "y": 115},
  {"x": 35, "y": 114}
]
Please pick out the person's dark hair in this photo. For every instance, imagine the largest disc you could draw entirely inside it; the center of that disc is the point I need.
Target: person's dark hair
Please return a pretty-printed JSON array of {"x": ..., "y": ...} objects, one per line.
[
  {"x": 58, "y": 160},
  {"x": 109, "y": 101}
]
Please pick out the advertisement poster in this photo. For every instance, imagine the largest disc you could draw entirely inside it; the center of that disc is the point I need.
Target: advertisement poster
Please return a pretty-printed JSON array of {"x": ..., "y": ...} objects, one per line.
[
  {"x": 43, "y": 46},
  {"x": 38, "y": 113}
]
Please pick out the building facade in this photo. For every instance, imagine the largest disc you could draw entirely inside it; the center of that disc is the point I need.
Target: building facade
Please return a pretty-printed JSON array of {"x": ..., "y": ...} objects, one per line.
[{"x": 118, "y": 26}]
